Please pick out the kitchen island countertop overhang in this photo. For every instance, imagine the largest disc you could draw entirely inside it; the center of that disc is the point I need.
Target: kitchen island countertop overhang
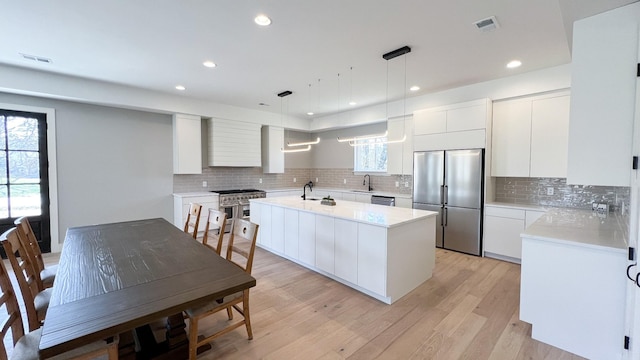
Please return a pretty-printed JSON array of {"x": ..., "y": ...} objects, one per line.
[{"x": 384, "y": 252}]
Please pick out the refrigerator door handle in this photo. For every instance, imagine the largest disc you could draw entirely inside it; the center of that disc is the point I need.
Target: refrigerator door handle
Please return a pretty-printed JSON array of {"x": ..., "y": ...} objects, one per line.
[
  {"x": 445, "y": 213},
  {"x": 441, "y": 194},
  {"x": 446, "y": 194}
]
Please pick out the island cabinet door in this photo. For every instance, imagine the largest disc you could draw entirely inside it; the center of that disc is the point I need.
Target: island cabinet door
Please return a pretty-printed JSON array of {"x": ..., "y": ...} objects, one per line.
[
  {"x": 255, "y": 218},
  {"x": 265, "y": 226},
  {"x": 277, "y": 229},
  {"x": 291, "y": 233},
  {"x": 372, "y": 258},
  {"x": 346, "y": 250},
  {"x": 307, "y": 238},
  {"x": 324, "y": 243}
]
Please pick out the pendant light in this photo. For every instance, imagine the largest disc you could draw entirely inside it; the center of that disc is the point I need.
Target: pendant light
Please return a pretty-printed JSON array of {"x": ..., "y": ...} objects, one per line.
[
  {"x": 307, "y": 144},
  {"x": 381, "y": 138}
]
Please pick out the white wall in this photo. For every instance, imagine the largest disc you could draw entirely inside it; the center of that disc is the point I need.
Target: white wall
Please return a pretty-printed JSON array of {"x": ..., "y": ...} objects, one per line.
[
  {"x": 298, "y": 160},
  {"x": 113, "y": 164}
]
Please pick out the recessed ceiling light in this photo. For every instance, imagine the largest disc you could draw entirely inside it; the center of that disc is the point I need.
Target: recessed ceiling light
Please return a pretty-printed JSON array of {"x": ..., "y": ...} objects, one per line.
[
  {"x": 414, "y": 88},
  {"x": 209, "y": 64},
  {"x": 262, "y": 20},
  {"x": 310, "y": 113},
  {"x": 514, "y": 64},
  {"x": 352, "y": 103},
  {"x": 180, "y": 87}
]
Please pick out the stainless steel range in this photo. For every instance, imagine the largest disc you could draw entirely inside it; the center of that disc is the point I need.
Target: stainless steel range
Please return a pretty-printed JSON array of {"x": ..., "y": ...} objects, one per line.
[{"x": 236, "y": 202}]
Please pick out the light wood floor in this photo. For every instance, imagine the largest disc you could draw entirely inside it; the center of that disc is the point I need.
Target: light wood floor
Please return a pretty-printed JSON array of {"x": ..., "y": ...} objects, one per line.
[{"x": 467, "y": 310}]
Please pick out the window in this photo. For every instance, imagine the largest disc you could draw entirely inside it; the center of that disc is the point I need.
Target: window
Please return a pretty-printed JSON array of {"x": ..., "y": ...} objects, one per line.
[{"x": 371, "y": 156}]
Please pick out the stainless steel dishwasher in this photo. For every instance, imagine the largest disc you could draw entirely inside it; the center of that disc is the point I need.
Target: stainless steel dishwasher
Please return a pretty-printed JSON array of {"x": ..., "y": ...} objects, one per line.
[{"x": 383, "y": 200}]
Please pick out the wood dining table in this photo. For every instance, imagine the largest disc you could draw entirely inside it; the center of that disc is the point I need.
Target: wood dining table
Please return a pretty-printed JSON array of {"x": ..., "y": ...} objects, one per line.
[{"x": 117, "y": 277}]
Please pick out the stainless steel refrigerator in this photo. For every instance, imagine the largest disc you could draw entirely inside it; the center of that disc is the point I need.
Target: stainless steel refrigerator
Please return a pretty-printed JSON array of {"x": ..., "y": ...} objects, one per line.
[{"x": 451, "y": 182}]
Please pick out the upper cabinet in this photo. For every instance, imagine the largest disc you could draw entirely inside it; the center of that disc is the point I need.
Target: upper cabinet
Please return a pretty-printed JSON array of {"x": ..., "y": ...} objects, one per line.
[
  {"x": 400, "y": 154},
  {"x": 234, "y": 143},
  {"x": 456, "y": 126},
  {"x": 603, "y": 93},
  {"x": 272, "y": 155},
  {"x": 529, "y": 137},
  {"x": 187, "y": 145}
]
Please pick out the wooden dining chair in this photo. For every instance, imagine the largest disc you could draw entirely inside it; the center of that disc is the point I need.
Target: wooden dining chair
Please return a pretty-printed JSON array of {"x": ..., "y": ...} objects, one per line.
[
  {"x": 36, "y": 301},
  {"x": 193, "y": 219},
  {"x": 214, "y": 229},
  {"x": 242, "y": 244},
  {"x": 25, "y": 346},
  {"x": 45, "y": 275}
]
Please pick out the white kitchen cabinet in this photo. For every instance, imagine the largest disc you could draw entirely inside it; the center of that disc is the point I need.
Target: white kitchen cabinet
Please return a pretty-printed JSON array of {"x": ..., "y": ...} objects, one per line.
[
  {"x": 456, "y": 126},
  {"x": 181, "y": 207},
  {"x": 372, "y": 251},
  {"x": 272, "y": 155},
  {"x": 291, "y": 233},
  {"x": 404, "y": 202},
  {"x": 255, "y": 210},
  {"x": 307, "y": 238},
  {"x": 266, "y": 226},
  {"x": 277, "y": 230},
  {"x": 511, "y": 138},
  {"x": 603, "y": 96},
  {"x": 346, "y": 250},
  {"x": 325, "y": 238},
  {"x": 234, "y": 143},
  {"x": 349, "y": 196},
  {"x": 363, "y": 198},
  {"x": 400, "y": 155},
  {"x": 502, "y": 229},
  {"x": 187, "y": 146},
  {"x": 530, "y": 136}
]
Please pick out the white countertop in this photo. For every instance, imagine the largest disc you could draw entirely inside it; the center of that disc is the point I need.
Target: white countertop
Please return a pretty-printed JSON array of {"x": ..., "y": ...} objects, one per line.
[
  {"x": 581, "y": 227},
  {"x": 387, "y": 216},
  {"x": 329, "y": 190},
  {"x": 516, "y": 206},
  {"x": 192, "y": 194}
]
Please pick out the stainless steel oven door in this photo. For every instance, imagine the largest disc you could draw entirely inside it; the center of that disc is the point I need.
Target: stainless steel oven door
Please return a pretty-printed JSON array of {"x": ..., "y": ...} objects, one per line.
[{"x": 232, "y": 213}]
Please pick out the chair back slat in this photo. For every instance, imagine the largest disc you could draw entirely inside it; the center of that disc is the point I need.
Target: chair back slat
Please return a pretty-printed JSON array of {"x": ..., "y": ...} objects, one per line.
[
  {"x": 25, "y": 228},
  {"x": 193, "y": 219},
  {"x": 214, "y": 229},
  {"x": 24, "y": 272},
  {"x": 242, "y": 242},
  {"x": 10, "y": 303}
]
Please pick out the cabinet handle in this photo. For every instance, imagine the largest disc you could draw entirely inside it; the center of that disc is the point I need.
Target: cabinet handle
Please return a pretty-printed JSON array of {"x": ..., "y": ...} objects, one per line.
[
  {"x": 441, "y": 194},
  {"x": 446, "y": 194},
  {"x": 446, "y": 216},
  {"x": 629, "y": 268}
]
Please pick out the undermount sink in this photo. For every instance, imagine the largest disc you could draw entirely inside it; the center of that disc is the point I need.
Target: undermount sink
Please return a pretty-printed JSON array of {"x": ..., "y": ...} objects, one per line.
[
  {"x": 313, "y": 199},
  {"x": 362, "y": 191}
]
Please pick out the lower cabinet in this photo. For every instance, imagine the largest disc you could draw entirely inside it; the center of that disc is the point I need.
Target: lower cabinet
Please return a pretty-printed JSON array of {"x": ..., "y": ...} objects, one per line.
[
  {"x": 291, "y": 233},
  {"x": 307, "y": 238},
  {"x": 502, "y": 229},
  {"x": 372, "y": 251},
  {"x": 325, "y": 239},
  {"x": 346, "y": 250},
  {"x": 181, "y": 204}
]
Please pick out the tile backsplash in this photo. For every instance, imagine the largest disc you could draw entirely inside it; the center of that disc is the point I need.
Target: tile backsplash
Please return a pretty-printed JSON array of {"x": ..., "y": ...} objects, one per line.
[
  {"x": 533, "y": 191},
  {"x": 219, "y": 178}
]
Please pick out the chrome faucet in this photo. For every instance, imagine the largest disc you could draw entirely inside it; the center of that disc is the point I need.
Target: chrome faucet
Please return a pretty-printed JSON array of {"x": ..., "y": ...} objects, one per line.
[
  {"x": 304, "y": 189},
  {"x": 364, "y": 182}
]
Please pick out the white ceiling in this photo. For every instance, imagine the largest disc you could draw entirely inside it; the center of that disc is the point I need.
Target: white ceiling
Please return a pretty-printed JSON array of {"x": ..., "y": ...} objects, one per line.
[{"x": 158, "y": 44}]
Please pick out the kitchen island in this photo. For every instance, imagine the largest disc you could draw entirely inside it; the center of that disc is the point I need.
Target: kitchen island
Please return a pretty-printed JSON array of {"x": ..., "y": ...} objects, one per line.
[
  {"x": 384, "y": 252},
  {"x": 573, "y": 281}
]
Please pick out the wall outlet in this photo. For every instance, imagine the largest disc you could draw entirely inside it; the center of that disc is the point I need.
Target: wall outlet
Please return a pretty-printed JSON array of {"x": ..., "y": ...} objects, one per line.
[
  {"x": 344, "y": 181},
  {"x": 549, "y": 191},
  {"x": 397, "y": 183},
  {"x": 316, "y": 180},
  {"x": 204, "y": 184},
  {"x": 260, "y": 181},
  {"x": 406, "y": 184},
  {"x": 294, "y": 179}
]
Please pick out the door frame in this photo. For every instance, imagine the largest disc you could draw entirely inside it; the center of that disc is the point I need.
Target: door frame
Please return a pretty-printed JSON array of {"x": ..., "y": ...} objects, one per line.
[{"x": 56, "y": 246}]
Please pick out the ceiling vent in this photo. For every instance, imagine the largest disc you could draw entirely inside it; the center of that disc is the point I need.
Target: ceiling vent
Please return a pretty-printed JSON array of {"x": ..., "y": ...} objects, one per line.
[
  {"x": 488, "y": 24},
  {"x": 35, "y": 58}
]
